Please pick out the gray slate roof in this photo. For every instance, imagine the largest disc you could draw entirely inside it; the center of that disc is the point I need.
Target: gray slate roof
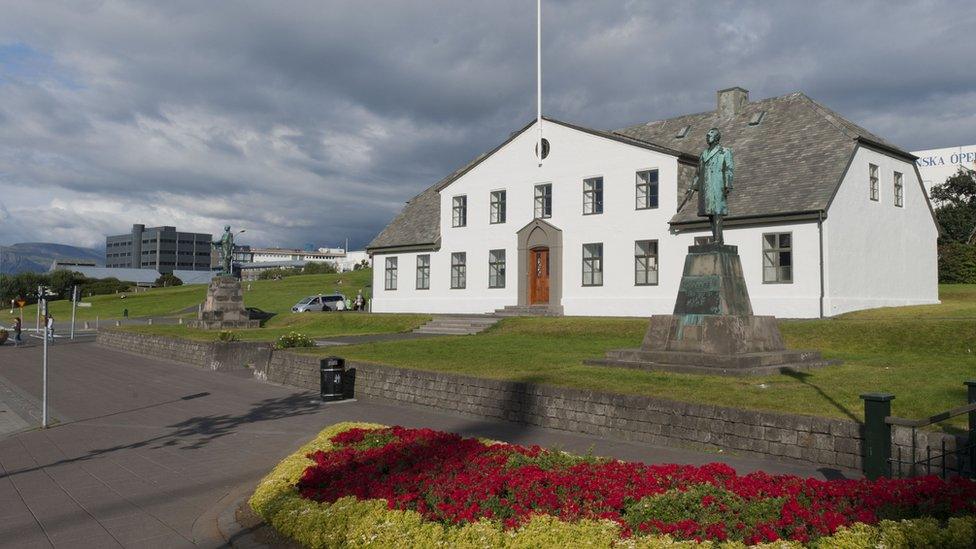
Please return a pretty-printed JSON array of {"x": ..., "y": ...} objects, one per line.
[
  {"x": 791, "y": 162},
  {"x": 416, "y": 225}
]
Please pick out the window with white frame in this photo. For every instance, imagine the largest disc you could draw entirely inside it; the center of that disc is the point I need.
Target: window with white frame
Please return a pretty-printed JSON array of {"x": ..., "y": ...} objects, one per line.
[
  {"x": 645, "y": 262},
  {"x": 777, "y": 258},
  {"x": 497, "y": 214},
  {"x": 496, "y": 269},
  {"x": 423, "y": 272},
  {"x": 459, "y": 211},
  {"x": 593, "y": 264},
  {"x": 543, "y": 201},
  {"x": 647, "y": 189},
  {"x": 390, "y": 276},
  {"x": 899, "y": 190},
  {"x": 873, "y": 181},
  {"x": 459, "y": 263},
  {"x": 593, "y": 196}
]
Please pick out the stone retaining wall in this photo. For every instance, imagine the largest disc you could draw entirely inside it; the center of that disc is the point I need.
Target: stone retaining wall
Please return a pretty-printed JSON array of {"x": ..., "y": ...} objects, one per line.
[
  {"x": 832, "y": 443},
  {"x": 212, "y": 355}
]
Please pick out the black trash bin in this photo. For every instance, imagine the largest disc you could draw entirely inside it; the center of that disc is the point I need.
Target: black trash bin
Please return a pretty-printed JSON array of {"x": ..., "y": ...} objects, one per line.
[{"x": 331, "y": 371}]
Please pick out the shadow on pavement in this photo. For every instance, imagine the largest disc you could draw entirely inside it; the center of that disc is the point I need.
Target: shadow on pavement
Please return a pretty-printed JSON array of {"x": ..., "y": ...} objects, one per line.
[{"x": 197, "y": 432}]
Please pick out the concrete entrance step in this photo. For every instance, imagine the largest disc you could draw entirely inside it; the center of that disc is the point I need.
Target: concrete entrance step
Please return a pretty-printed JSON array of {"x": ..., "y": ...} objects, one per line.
[
  {"x": 457, "y": 325},
  {"x": 525, "y": 310}
]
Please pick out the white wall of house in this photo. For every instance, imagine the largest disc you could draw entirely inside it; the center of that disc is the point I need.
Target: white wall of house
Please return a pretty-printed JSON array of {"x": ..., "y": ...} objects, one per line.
[
  {"x": 877, "y": 254},
  {"x": 574, "y": 156}
]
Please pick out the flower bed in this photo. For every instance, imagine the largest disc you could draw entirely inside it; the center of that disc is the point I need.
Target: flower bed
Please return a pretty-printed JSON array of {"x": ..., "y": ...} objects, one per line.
[{"x": 355, "y": 485}]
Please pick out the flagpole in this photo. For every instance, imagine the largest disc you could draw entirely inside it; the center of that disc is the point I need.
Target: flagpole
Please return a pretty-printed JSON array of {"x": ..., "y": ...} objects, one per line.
[{"x": 538, "y": 78}]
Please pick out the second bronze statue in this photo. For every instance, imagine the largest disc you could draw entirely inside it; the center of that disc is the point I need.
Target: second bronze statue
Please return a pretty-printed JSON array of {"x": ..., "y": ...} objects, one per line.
[{"x": 713, "y": 181}]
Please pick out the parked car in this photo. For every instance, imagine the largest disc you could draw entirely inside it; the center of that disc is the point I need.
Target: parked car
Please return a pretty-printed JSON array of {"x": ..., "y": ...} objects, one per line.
[{"x": 330, "y": 302}]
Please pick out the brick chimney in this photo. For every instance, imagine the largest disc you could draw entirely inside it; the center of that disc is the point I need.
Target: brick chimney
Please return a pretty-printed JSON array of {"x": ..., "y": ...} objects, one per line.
[{"x": 731, "y": 101}]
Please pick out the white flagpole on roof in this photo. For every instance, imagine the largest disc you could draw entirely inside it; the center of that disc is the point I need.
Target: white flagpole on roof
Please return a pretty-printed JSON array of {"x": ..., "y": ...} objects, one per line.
[{"x": 538, "y": 78}]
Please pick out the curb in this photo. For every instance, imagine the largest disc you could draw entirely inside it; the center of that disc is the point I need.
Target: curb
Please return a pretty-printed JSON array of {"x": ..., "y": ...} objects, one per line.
[{"x": 218, "y": 526}]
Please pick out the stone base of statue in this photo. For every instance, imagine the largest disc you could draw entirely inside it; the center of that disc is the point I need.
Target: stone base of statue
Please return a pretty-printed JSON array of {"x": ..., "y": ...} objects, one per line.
[
  {"x": 713, "y": 330},
  {"x": 224, "y": 307}
]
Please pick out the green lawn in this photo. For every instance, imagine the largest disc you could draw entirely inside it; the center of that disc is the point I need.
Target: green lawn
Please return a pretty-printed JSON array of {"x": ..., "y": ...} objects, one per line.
[
  {"x": 275, "y": 296},
  {"x": 316, "y": 325},
  {"x": 921, "y": 354}
]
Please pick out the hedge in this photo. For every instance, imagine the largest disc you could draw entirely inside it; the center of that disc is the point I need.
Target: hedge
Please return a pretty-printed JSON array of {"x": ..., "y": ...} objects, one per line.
[
  {"x": 957, "y": 263},
  {"x": 349, "y": 522}
]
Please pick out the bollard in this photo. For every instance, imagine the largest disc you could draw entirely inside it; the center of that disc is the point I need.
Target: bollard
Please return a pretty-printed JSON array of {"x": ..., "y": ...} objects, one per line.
[
  {"x": 118, "y": 322},
  {"x": 971, "y": 394},
  {"x": 877, "y": 435},
  {"x": 87, "y": 325},
  {"x": 149, "y": 321},
  {"x": 181, "y": 320}
]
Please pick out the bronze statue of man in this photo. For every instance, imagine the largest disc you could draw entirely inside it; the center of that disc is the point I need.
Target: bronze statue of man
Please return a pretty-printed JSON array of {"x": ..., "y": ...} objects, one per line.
[
  {"x": 712, "y": 182},
  {"x": 225, "y": 248}
]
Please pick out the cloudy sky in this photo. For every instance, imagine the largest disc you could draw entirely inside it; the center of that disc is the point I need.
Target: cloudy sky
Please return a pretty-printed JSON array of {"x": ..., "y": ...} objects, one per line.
[{"x": 312, "y": 122}]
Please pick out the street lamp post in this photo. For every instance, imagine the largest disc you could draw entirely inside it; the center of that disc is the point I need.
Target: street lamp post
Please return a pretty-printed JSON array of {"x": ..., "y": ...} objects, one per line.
[{"x": 42, "y": 302}]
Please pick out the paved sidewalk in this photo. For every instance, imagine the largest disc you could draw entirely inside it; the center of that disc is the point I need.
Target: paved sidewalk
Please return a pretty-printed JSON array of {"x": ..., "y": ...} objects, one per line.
[{"x": 146, "y": 450}]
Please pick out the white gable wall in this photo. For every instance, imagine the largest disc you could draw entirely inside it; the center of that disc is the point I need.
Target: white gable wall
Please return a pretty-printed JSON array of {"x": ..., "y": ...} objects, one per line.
[{"x": 879, "y": 255}]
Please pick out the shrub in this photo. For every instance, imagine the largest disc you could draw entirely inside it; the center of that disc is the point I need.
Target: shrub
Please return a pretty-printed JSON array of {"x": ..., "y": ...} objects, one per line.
[
  {"x": 957, "y": 263},
  {"x": 294, "y": 339},
  {"x": 228, "y": 336},
  {"x": 167, "y": 280},
  {"x": 325, "y": 267}
]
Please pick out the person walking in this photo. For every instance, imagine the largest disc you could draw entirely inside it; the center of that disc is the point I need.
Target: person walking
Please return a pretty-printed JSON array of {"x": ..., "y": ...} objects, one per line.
[
  {"x": 50, "y": 328},
  {"x": 18, "y": 329}
]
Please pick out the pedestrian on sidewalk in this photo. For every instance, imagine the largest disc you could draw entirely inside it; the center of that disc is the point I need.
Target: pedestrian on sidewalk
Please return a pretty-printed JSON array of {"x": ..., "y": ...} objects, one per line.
[
  {"x": 50, "y": 328},
  {"x": 18, "y": 328}
]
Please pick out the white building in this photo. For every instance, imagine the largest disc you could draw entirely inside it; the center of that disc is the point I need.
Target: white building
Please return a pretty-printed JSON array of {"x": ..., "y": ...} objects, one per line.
[
  {"x": 827, "y": 217},
  {"x": 274, "y": 255},
  {"x": 937, "y": 165},
  {"x": 352, "y": 259}
]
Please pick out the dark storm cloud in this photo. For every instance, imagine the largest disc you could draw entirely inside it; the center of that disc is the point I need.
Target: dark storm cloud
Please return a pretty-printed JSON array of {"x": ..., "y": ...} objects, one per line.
[{"x": 314, "y": 121}]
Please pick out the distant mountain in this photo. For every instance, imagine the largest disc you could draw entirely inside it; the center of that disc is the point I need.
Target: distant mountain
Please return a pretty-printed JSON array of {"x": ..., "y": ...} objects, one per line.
[{"x": 37, "y": 256}]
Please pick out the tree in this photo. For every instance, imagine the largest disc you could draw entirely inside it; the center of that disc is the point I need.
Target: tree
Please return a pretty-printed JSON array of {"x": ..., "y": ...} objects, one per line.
[
  {"x": 956, "y": 211},
  {"x": 167, "y": 280}
]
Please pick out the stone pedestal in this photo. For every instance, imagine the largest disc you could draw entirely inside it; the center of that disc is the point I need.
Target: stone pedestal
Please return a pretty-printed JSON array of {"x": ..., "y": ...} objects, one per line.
[
  {"x": 713, "y": 330},
  {"x": 224, "y": 307}
]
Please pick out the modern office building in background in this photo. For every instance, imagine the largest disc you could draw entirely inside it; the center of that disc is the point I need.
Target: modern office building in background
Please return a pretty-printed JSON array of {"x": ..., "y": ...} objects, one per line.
[
  {"x": 937, "y": 165},
  {"x": 163, "y": 249}
]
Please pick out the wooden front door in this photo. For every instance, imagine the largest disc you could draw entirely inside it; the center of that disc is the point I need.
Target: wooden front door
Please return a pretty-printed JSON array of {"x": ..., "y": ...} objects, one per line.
[{"x": 539, "y": 276}]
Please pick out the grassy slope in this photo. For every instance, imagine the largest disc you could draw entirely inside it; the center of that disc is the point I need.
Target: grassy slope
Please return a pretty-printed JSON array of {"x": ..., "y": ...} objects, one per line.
[
  {"x": 912, "y": 352},
  {"x": 276, "y": 296},
  {"x": 273, "y": 296}
]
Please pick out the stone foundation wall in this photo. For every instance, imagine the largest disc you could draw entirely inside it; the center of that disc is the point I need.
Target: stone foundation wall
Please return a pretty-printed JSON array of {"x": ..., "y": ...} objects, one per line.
[
  {"x": 832, "y": 443},
  {"x": 212, "y": 355}
]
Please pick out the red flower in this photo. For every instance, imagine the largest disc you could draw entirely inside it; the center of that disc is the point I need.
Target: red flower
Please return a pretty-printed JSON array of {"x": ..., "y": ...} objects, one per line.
[{"x": 455, "y": 480}]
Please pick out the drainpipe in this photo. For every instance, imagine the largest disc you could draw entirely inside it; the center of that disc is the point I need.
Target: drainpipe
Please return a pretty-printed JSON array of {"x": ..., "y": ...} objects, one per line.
[{"x": 820, "y": 218}]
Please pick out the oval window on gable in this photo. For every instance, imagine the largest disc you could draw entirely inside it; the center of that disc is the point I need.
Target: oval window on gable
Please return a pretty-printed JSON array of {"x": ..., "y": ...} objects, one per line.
[{"x": 545, "y": 148}]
